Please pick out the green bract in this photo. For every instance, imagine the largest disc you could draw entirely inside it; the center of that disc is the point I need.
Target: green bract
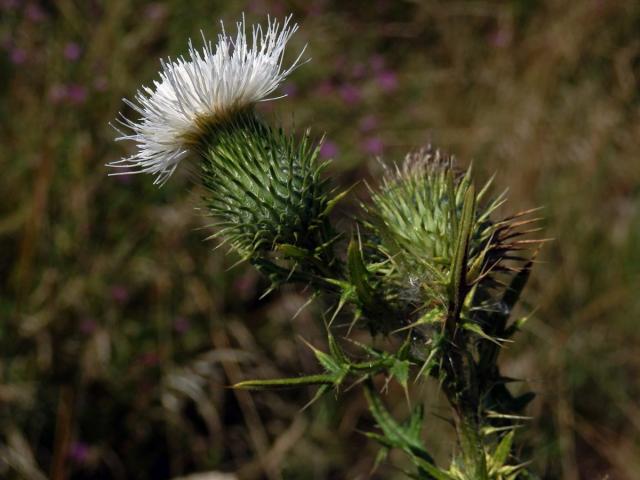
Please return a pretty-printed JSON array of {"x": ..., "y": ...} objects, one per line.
[{"x": 264, "y": 187}]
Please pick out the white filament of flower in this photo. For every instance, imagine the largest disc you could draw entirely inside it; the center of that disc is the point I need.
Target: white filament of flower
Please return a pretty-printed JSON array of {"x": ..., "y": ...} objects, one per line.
[{"x": 194, "y": 94}]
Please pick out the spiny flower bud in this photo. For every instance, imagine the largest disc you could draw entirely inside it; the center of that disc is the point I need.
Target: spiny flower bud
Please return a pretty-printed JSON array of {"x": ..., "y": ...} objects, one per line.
[
  {"x": 411, "y": 235},
  {"x": 264, "y": 187}
]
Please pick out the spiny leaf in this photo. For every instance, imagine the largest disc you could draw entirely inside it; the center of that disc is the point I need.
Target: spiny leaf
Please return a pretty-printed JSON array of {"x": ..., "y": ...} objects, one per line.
[
  {"x": 512, "y": 294},
  {"x": 400, "y": 371},
  {"x": 477, "y": 329},
  {"x": 432, "y": 317},
  {"x": 458, "y": 267},
  {"x": 347, "y": 293},
  {"x": 519, "y": 403},
  {"x": 512, "y": 471},
  {"x": 457, "y": 281},
  {"x": 493, "y": 430},
  {"x": 280, "y": 383},
  {"x": 319, "y": 393},
  {"x": 336, "y": 351},
  {"x": 414, "y": 425},
  {"x": 381, "y": 439},
  {"x": 330, "y": 364},
  {"x": 381, "y": 456},
  {"x": 358, "y": 274},
  {"x": 293, "y": 251},
  {"x": 492, "y": 414},
  {"x": 517, "y": 325},
  {"x": 391, "y": 429},
  {"x": 334, "y": 201},
  {"x": 432, "y": 470},
  {"x": 428, "y": 364},
  {"x": 502, "y": 451}
]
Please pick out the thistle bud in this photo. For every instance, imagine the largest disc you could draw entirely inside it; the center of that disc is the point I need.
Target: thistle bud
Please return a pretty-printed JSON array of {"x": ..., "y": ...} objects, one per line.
[
  {"x": 264, "y": 187},
  {"x": 412, "y": 236}
]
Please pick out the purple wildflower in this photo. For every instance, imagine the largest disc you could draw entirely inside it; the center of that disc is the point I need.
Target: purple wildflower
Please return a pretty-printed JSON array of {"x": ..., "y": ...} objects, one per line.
[
  {"x": 124, "y": 178},
  {"x": 155, "y": 11},
  {"x": 377, "y": 62},
  {"x": 387, "y": 80},
  {"x": 79, "y": 452},
  {"x": 325, "y": 89},
  {"x": 290, "y": 89},
  {"x": 358, "y": 70},
  {"x": 88, "y": 326},
  {"x": 500, "y": 38},
  {"x": 35, "y": 13},
  {"x": 119, "y": 294},
  {"x": 373, "y": 145},
  {"x": 149, "y": 359},
  {"x": 350, "y": 94},
  {"x": 18, "y": 56},
  {"x": 245, "y": 285},
  {"x": 10, "y": 4},
  {"x": 72, "y": 51},
  {"x": 181, "y": 325},
  {"x": 328, "y": 149},
  {"x": 315, "y": 8},
  {"x": 57, "y": 93},
  {"x": 101, "y": 84},
  {"x": 368, "y": 123},
  {"x": 76, "y": 94}
]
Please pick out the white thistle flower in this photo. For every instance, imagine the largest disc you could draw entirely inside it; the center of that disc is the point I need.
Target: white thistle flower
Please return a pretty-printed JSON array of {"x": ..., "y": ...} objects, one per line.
[{"x": 194, "y": 94}]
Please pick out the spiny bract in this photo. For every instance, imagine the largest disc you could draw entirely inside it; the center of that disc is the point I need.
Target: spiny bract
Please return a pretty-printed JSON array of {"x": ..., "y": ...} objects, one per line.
[{"x": 264, "y": 187}]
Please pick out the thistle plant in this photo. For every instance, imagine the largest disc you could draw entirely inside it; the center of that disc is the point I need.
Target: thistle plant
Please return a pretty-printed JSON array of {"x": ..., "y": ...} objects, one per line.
[{"x": 426, "y": 262}]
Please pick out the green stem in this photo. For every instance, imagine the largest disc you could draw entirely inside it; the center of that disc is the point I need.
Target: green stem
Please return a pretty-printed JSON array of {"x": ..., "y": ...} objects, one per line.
[{"x": 473, "y": 454}]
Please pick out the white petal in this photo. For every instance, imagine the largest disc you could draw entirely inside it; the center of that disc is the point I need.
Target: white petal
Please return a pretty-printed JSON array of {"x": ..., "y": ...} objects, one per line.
[{"x": 209, "y": 85}]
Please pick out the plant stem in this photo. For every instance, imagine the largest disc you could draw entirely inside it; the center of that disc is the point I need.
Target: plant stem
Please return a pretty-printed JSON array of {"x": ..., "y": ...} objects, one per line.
[
  {"x": 467, "y": 428},
  {"x": 461, "y": 389},
  {"x": 62, "y": 433}
]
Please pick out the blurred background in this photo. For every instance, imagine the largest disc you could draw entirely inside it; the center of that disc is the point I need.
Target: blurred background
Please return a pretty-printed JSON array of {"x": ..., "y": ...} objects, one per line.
[{"x": 121, "y": 326}]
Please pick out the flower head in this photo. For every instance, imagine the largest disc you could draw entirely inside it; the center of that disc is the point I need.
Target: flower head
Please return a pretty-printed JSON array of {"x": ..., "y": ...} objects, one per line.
[
  {"x": 264, "y": 187},
  {"x": 411, "y": 234},
  {"x": 195, "y": 94}
]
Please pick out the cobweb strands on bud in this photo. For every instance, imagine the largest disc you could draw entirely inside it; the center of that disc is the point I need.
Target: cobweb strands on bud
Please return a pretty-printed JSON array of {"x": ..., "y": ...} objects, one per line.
[{"x": 195, "y": 94}]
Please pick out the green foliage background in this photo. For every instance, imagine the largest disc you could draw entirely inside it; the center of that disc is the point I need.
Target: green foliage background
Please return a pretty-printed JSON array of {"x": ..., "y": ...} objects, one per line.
[{"x": 121, "y": 327}]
